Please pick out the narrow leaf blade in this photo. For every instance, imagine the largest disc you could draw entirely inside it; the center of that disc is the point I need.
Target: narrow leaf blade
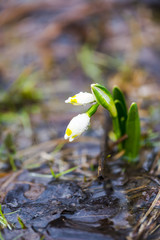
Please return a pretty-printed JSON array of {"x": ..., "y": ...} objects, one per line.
[
  {"x": 65, "y": 172},
  {"x": 118, "y": 95},
  {"x": 122, "y": 116},
  {"x": 132, "y": 143}
]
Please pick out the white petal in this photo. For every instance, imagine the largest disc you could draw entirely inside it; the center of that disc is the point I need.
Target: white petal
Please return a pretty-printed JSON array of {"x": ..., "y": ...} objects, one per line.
[
  {"x": 66, "y": 136},
  {"x": 81, "y": 98},
  {"x": 71, "y": 139},
  {"x": 68, "y": 100}
]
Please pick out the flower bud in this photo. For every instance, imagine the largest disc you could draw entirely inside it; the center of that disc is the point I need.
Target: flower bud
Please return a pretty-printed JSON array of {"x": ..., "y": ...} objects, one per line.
[
  {"x": 81, "y": 98},
  {"x": 104, "y": 98}
]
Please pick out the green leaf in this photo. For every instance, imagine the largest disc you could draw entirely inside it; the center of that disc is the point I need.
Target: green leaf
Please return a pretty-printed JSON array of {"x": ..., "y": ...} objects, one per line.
[
  {"x": 118, "y": 95},
  {"x": 122, "y": 116},
  {"x": 132, "y": 143},
  {"x": 104, "y": 98}
]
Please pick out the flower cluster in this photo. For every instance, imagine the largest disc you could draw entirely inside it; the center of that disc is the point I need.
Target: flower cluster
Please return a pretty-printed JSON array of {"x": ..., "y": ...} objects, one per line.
[{"x": 80, "y": 123}]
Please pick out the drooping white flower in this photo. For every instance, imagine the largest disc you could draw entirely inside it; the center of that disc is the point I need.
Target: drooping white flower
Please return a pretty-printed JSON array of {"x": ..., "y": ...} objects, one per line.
[
  {"x": 81, "y": 98},
  {"x": 77, "y": 126}
]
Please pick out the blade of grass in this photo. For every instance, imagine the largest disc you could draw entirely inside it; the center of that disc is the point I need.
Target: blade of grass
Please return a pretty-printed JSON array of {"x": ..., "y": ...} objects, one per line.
[
  {"x": 62, "y": 173},
  {"x": 11, "y": 212},
  {"x": 1, "y": 237},
  {"x": 58, "y": 148},
  {"x": 52, "y": 172},
  {"x": 65, "y": 172},
  {"x": 12, "y": 162},
  {"x": 3, "y": 220},
  {"x": 23, "y": 226}
]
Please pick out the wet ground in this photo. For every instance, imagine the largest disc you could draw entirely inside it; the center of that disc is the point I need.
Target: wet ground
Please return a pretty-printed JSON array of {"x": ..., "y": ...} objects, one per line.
[
  {"x": 57, "y": 45},
  {"x": 123, "y": 206}
]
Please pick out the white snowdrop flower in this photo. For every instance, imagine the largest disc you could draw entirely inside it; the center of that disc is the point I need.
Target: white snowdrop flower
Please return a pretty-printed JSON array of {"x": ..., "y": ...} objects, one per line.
[
  {"x": 77, "y": 126},
  {"x": 81, "y": 98}
]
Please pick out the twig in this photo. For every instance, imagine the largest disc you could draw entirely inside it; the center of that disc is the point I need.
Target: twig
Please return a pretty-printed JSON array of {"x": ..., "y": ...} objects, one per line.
[{"x": 10, "y": 179}]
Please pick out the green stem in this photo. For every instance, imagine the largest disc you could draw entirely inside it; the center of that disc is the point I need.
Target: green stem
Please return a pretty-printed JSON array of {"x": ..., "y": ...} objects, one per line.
[
  {"x": 92, "y": 109},
  {"x": 116, "y": 129},
  {"x": 12, "y": 163}
]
